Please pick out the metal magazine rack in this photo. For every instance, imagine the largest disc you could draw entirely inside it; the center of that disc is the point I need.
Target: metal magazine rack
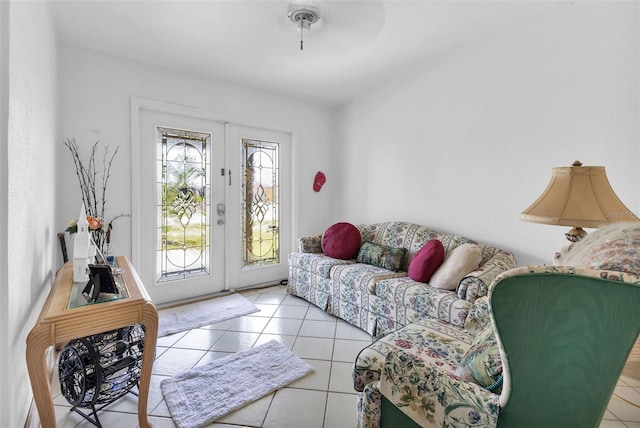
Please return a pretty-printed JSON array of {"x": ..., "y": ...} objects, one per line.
[{"x": 99, "y": 369}]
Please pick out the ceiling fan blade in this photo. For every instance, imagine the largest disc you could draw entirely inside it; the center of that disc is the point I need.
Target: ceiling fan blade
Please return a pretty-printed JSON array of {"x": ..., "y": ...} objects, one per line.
[{"x": 363, "y": 20}]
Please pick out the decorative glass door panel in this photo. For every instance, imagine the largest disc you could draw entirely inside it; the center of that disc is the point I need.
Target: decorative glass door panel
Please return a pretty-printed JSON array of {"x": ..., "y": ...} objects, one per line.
[
  {"x": 260, "y": 203},
  {"x": 211, "y": 202},
  {"x": 183, "y": 204},
  {"x": 178, "y": 249},
  {"x": 259, "y": 236}
]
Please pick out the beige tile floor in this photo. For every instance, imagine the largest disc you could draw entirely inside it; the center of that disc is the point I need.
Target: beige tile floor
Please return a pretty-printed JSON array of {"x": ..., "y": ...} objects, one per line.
[{"x": 325, "y": 399}]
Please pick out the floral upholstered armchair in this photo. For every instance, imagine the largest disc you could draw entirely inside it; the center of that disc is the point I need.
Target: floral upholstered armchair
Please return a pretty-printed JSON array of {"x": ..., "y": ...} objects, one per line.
[
  {"x": 432, "y": 351},
  {"x": 528, "y": 364}
]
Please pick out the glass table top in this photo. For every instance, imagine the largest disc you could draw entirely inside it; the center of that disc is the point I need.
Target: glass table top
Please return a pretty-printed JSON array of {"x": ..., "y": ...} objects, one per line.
[{"x": 77, "y": 298}]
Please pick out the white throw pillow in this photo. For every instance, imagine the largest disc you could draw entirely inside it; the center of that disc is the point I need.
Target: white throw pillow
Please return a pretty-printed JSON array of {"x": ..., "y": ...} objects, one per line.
[{"x": 459, "y": 262}]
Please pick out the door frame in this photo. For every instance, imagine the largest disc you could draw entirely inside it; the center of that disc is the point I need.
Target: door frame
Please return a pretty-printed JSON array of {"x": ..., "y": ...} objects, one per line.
[
  {"x": 138, "y": 104},
  {"x": 150, "y": 194}
]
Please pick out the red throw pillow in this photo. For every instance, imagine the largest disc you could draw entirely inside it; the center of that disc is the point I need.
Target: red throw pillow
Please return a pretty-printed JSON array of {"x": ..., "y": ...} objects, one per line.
[
  {"x": 341, "y": 241},
  {"x": 426, "y": 261}
]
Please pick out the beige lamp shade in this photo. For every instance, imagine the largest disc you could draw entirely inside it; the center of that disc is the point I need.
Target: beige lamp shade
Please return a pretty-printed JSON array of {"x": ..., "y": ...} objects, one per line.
[{"x": 578, "y": 196}]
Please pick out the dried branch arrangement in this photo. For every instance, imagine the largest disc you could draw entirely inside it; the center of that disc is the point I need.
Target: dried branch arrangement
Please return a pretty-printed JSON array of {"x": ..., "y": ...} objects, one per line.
[{"x": 93, "y": 187}]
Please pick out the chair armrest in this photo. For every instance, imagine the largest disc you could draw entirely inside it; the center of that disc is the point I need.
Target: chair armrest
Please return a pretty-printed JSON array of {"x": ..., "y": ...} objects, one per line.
[
  {"x": 366, "y": 369},
  {"x": 476, "y": 284},
  {"x": 432, "y": 396},
  {"x": 310, "y": 244}
]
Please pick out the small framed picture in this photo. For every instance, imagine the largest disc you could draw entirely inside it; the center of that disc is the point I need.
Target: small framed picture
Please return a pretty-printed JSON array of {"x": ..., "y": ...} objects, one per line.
[{"x": 100, "y": 281}]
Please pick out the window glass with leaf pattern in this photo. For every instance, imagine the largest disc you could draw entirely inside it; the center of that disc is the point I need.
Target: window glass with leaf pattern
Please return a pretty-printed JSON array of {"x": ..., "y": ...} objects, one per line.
[
  {"x": 260, "y": 203},
  {"x": 183, "y": 166}
]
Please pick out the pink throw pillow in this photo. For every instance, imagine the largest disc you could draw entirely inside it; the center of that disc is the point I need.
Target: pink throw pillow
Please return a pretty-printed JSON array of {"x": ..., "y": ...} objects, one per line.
[
  {"x": 426, "y": 261},
  {"x": 341, "y": 241}
]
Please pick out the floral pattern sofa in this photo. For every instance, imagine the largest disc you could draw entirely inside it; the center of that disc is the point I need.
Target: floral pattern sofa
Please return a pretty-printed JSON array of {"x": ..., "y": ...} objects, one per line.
[{"x": 379, "y": 300}]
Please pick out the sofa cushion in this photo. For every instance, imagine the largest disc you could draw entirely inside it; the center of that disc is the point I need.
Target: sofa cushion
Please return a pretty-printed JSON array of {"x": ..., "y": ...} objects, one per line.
[
  {"x": 614, "y": 247},
  {"x": 459, "y": 262},
  {"x": 359, "y": 278},
  {"x": 431, "y": 396},
  {"x": 430, "y": 341},
  {"x": 381, "y": 256},
  {"x": 317, "y": 264},
  {"x": 481, "y": 363},
  {"x": 426, "y": 261},
  {"x": 403, "y": 300},
  {"x": 341, "y": 241}
]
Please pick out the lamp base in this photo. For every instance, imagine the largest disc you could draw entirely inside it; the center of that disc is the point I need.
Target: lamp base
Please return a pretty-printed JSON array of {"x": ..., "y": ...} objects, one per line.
[{"x": 575, "y": 234}]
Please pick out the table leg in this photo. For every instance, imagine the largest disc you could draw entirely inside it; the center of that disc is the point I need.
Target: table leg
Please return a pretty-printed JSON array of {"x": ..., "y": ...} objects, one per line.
[
  {"x": 150, "y": 322},
  {"x": 37, "y": 344}
]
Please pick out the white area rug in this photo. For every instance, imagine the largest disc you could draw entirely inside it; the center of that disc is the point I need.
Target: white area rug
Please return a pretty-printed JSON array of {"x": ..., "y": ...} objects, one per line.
[
  {"x": 204, "y": 394},
  {"x": 194, "y": 315}
]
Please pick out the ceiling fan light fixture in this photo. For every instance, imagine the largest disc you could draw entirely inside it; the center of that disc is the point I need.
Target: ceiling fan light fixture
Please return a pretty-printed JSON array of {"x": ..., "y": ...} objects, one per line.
[{"x": 303, "y": 17}]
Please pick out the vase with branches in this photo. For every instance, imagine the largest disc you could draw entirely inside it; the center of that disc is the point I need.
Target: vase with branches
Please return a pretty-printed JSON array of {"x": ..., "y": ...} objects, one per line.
[{"x": 93, "y": 188}]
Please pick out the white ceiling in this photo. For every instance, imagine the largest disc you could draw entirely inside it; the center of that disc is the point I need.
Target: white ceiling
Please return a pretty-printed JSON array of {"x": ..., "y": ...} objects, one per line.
[{"x": 356, "y": 45}]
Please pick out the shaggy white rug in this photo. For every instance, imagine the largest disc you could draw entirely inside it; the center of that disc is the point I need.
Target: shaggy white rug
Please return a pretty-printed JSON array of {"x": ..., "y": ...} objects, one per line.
[
  {"x": 194, "y": 315},
  {"x": 204, "y": 394}
]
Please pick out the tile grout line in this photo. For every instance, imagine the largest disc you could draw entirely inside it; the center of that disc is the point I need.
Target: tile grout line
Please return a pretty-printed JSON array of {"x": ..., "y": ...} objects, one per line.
[
  {"x": 615, "y": 419},
  {"x": 264, "y": 418}
]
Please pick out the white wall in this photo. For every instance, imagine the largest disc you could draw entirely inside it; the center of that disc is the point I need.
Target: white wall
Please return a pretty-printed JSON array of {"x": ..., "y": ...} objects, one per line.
[
  {"x": 466, "y": 142},
  {"x": 5, "y": 356},
  {"x": 95, "y": 93},
  {"x": 28, "y": 73}
]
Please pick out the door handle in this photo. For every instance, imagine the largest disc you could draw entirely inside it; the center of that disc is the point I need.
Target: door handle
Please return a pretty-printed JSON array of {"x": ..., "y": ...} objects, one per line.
[{"x": 220, "y": 209}]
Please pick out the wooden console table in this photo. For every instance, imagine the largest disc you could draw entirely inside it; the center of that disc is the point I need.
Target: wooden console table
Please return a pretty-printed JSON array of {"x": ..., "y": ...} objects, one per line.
[{"x": 62, "y": 320}]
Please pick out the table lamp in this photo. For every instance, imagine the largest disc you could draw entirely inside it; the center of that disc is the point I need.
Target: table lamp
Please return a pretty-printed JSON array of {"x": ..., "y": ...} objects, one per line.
[{"x": 578, "y": 196}]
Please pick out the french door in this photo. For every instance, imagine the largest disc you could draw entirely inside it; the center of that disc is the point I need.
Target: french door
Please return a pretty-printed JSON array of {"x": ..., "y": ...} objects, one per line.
[
  {"x": 259, "y": 230},
  {"x": 178, "y": 246},
  {"x": 211, "y": 202}
]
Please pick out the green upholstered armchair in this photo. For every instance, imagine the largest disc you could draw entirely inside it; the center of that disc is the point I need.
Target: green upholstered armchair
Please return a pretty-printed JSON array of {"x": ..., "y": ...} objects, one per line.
[{"x": 564, "y": 335}]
